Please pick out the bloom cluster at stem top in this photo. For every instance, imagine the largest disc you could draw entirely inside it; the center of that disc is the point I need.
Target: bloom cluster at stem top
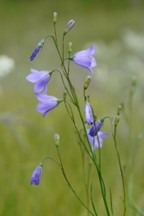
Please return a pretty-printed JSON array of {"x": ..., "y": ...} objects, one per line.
[{"x": 40, "y": 79}]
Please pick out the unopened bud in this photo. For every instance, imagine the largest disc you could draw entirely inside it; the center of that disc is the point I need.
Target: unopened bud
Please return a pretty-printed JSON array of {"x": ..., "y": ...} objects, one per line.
[
  {"x": 119, "y": 109},
  {"x": 87, "y": 82},
  {"x": 55, "y": 17},
  {"x": 57, "y": 139},
  {"x": 70, "y": 47},
  {"x": 69, "y": 26},
  {"x": 64, "y": 95},
  {"x": 36, "y": 50}
]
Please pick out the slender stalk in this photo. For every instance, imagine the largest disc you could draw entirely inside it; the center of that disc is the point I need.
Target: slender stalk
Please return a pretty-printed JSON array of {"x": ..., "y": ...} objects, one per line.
[
  {"x": 76, "y": 104},
  {"x": 70, "y": 186},
  {"x": 120, "y": 167}
]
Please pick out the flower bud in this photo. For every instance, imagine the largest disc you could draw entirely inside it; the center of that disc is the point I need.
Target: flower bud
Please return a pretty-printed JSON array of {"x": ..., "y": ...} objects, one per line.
[
  {"x": 36, "y": 50},
  {"x": 70, "y": 47},
  {"x": 55, "y": 15},
  {"x": 87, "y": 82},
  {"x": 57, "y": 139},
  {"x": 35, "y": 178},
  {"x": 69, "y": 26},
  {"x": 89, "y": 119}
]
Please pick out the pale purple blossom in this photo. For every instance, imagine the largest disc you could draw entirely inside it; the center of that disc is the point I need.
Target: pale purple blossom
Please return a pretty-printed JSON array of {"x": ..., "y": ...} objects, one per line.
[
  {"x": 47, "y": 103},
  {"x": 85, "y": 58},
  {"x": 97, "y": 141},
  {"x": 35, "y": 178},
  {"x": 88, "y": 113},
  {"x": 40, "y": 80}
]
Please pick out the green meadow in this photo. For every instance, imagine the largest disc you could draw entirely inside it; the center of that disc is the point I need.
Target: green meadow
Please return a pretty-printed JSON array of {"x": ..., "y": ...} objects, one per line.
[{"x": 26, "y": 137}]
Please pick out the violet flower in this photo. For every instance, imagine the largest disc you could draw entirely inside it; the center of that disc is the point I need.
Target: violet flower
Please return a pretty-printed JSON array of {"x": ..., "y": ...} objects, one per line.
[
  {"x": 88, "y": 113},
  {"x": 85, "y": 58},
  {"x": 40, "y": 80},
  {"x": 97, "y": 141},
  {"x": 96, "y": 127},
  {"x": 47, "y": 103},
  {"x": 35, "y": 178},
  {"x": 36, "y": 49}
]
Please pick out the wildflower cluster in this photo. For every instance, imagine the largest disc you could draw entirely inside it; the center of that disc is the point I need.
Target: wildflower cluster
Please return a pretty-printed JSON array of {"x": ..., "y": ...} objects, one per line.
[{"x": 89, "y": 134}]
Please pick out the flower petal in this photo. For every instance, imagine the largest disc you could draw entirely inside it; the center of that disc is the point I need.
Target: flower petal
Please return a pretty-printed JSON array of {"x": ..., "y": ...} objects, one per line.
[
  {"x": 35, "y": 178},
  {"x": 85, "y": 59},
  {"x": 47, "y": 103},
  {"x": 97, "y": 141},
  {"x": 88, "y": 113}
]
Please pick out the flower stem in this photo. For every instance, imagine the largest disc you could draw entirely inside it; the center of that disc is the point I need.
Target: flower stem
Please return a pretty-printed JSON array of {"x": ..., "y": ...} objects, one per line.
[{"x": 69, "y": 184}]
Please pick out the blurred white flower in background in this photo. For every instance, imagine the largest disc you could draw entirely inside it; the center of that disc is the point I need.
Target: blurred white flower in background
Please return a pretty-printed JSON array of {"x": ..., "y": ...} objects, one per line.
[
  {"x": 134, "y": 41},
  {"x": 6, "y": 65},
  {"x": 119, "y": 60}
]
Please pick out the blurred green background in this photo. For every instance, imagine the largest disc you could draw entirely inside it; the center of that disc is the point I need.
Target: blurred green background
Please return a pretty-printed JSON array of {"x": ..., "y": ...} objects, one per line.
[{"x": 117, "y": 29}]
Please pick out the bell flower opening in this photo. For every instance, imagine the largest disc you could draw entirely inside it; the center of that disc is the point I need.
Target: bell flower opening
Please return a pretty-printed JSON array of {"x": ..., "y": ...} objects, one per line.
[
  {"x": 85, "y": 58},
  {"x": 97, "y": 141},
  {"x": 47, "y": 103},
  {"x": 40, "y": 80}
]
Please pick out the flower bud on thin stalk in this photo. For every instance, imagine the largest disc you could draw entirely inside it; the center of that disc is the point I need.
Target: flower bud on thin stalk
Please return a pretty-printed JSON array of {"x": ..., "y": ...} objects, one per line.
[
  {"x": 70, "y": 47},
  {"x": 36, "y": 50},
  {"x": 55, "y": 15},
  {"x": 87, "y": 82},
  {"x": 120, "y": 107},
  {"x": 69, "y": 26},
  {"x": 57, "y": 139},
  {"x": 35, "y": 178}
]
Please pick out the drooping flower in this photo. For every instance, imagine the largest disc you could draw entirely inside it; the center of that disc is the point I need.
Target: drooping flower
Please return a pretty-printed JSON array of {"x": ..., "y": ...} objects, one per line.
[
  {"x": 88, "y": 113},
  {"x": 35, "y": 178},
  {"x": 85, "y": 58},
  {"x": 37, "y": 49},
  {"x": 40, "y": 80},
  {"x": 96, "y": 127},
  {"x": 47, "y": 103},
  {"x": 97, "y": 141}
]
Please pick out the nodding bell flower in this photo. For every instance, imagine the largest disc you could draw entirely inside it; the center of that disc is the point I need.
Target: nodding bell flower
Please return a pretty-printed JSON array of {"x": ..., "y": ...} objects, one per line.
[
  {"x": 36, "y": 50},
  {"x": 35, "y": 178},
  {"x": 97, "y": 141},
  {"x": 40, "y": 80},
  {"x": 88, "y": 113},
  {"x": 85, "y": 58},
  {"x": 47, "y": 103}
]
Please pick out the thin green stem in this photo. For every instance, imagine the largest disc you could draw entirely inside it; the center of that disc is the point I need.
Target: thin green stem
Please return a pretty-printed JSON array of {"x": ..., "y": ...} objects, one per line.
[
  {"x": 76, "y": 104},
  {"x": 120, "y": 167},
  {"x": 69, "y": 184}
]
